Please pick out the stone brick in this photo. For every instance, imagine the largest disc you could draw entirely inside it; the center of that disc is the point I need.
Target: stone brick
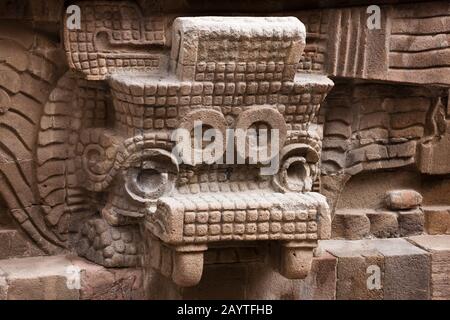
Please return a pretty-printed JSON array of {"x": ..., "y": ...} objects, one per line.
[
  {"x": 383, "y": 224},
  {"x": 411, "y": 222},
  {"x": 405, "y": 269},
  {"x": 340, "y": 115},
  {"x": 378, "y": 119},
  {"x": 439, "y": 248},
  {"x": 402, "y": 150},
  {"x": 403, "y": 199},
  {"x": 437, "y": 220},
  {"x": 99, "y": 283},
  {"x": 49, "y": 278},
  {"x": 338, "y": 129},
  {"x": 404, "y": 120},
  {"x": 433, "y": 157},
  {"x": 320, "y": 284},
  {"x": 41, "y": 278},
  {"x": 350, "y": 224},
  {"x": 406, "y": 274},
  {"x": 14, "y": 245}
]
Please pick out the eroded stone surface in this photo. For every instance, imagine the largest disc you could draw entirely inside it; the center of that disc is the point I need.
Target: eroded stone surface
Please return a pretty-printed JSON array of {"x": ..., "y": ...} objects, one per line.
[
  {"x": 437, "y": 220},
  {"x": 439, "y": 248},
  {"x": 85, "y": 161},
  {"x": 226, "y": 73},
  {"x": 403, "y": 269},
  {"x": 66, "y": 278}
]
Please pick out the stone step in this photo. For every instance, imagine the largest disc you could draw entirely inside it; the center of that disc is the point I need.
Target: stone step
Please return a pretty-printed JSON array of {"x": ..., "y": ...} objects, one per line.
[
  {"x": 417, "y": 267},
  {"x": 380, "y": 269},
  {"x": 354, "y": 224},
  {"x": 439, "y": 248},
  {"x": 66, "y": 278}
]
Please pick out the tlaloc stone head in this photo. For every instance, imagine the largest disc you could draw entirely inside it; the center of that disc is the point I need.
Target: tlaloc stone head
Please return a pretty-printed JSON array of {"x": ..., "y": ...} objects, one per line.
[{"x": 222, "y": 73}]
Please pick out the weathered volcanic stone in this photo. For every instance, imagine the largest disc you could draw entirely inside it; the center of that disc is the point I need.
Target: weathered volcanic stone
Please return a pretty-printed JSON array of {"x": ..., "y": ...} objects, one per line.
[
  {"x": 14, "y": 245},
  {"x": 411, "y": 222},
  {"x": 439, "y": 248},
  {"x": 3, "y": 285},
  {"x": 38, "y": 278},
  {"x": 403, "y": 199},
  {"x": 99, "y": 283},
  {"x": 321, "y": 282},
  {"x": 383, "y": 224},
  {"x": 437, "y": 220},
  {"x": 50, "y": 278},
  {"x": 350, "y": 224},
  {"x": 404, "y": 269}
]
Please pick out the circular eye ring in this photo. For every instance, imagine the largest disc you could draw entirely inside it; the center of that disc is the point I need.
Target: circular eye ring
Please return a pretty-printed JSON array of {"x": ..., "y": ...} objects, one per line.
[
  {"x": 294, "y": 173},
  {"x": 298, "y": 168},
  {"x": 208, "y": 118},
  {"x": 261, "y": 114},
  {"x": 150, "y": 175}
]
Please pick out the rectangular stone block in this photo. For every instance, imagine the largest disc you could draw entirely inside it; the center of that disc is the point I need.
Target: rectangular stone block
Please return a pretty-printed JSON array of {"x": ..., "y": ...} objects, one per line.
[
  {"x": 100, "y": 283},
  {"x": 350, "y": 224},
  {"x": 320, "y": 284},
  {"x": 37, "y": 278},
  {"x": 411, "y": 222},
  {"x": 439, "y": 248},
  {"x": 67, "y": 278},
  {"x": 14, "y": 245},
  {"x": 383, "y": 224},
  {"x": 380, "y": 269},
  {"x": 437, "y": 220}
]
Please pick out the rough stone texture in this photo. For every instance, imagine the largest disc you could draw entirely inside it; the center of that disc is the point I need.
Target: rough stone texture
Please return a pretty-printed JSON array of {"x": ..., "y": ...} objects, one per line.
[
  {"x": 383, "y": 224},
  {"x": 37, "y": 278},
  {"x": 405, "y": 51},
  {"x": 437, "y": 220},
  {"x": 350, "y": 225},
  {"x": 86, "y": 163},
  {"x": 354, "y": 224},
  {"x": 321, "y": 282},
  {"x": 405, "y": 269},
  {"x": 14, "y": 245},
  {"x": 411, "y": 222},
  {"x": 439, "y": 248},
  {"x": 403, "y": 199},
  {"x": 50, "y": 278},
  {"x": 99, "y": 283}
]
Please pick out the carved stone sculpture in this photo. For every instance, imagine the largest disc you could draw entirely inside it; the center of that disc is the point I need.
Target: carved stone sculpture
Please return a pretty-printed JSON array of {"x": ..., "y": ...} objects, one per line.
[
  {"x": 227, "y": 73},
  {"x": 94, "y": 164}
]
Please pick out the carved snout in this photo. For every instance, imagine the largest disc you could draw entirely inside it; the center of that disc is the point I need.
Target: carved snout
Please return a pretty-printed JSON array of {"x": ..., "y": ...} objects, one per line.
[{"x": 192, "y": 221}]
